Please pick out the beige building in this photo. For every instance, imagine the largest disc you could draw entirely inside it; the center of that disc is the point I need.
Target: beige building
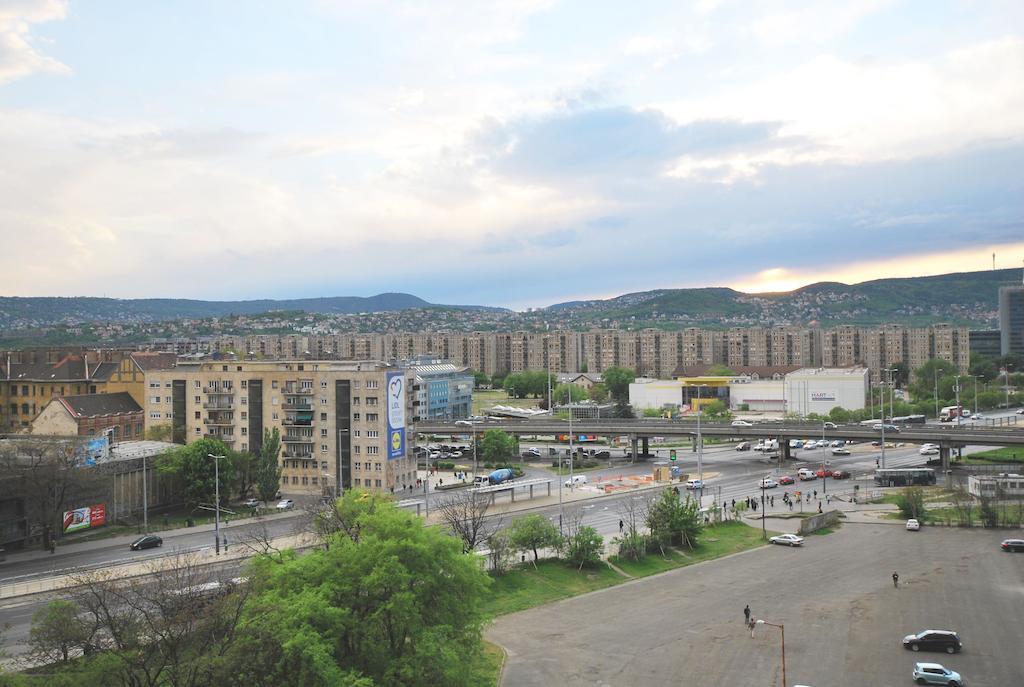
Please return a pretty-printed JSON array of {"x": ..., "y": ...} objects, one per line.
[{"x": 336, "y": 423}]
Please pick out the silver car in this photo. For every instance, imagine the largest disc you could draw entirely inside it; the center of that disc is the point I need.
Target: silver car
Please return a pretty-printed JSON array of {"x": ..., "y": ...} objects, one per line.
[{"x": 935, "y": 674}]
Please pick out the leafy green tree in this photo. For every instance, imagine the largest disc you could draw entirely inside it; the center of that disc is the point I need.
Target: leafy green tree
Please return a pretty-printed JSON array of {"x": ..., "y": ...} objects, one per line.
[
  {"x": 717, "y": 411},
  {"x": 160, "y": 432},
  {"x": 480, "y": 380},
  {"x": 268, "y": 467},
  {"x": 924, "y": 379},
  {"x": 534, "y": 532},
  {"x": 617, "y": 380},
  {"x": 983, "y": 366},
  {"x": 910, "y": 501},
  {"x": 399, "y": 607},
  {"x": 498, "y": 446},
  {"x": 674, "y": 521},
  {"x": 197, "y": 470},
  {"x": 584, "y": 547},
  {"x": 598, "y": 393},
  {"x": 57, "y": 633},
  {"x": 563, "y": 392}
]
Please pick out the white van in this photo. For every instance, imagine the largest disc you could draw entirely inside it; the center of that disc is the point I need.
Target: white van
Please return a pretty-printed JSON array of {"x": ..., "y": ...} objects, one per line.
[
  {"x": 576, "y": 481},
  {"x": 806, "y": 473}
]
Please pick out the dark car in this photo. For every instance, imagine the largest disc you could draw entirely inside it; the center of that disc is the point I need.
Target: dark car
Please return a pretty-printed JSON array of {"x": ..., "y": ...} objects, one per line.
[
  {"x": 149, "y": 541},
  {"x": 1012, "y": 545},
  {"x": 934, "y": 640},
  {"x": 840, "y": 474},
  {"x": 603, "y": 455}
]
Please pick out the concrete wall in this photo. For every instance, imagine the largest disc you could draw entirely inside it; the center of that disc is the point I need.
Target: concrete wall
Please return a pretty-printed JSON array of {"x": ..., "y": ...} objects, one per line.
[
  {"x": 817, "y": 522},
  {"x": 655, "y": 394}
]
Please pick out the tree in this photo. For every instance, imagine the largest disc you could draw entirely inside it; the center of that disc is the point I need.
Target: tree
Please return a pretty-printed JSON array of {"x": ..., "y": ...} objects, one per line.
[
  {"x": 674, "y": 521},
  {"x": 598, "y": 393},
  {"x": 563, "y": 392},
  {"x": 192, "y": 463},
  {"x": 584, "y": 547},
  {"x": 268, "y": 467},
  {"x": 632, "y": 543},
  {"x": 983, "y": 366},
  {"x": 716, "y": 410},
  {"x": 926, "y": 376},
  {"x": 502, "y": 552},
  {"x": 617, "y": 380},
  {"x": 465, "y": 514},
  {"x": 720, "y": 371},
  {"x": 911, "y": 503},
  {"x": 534, "y": 532},
  {"x": 498, "y": 446},
  {"x": 57, "y": 633},
  {"x": 399, "y": 606},
  {"x": 481, "y": 380},
  {"x": 161, "y": 432}
]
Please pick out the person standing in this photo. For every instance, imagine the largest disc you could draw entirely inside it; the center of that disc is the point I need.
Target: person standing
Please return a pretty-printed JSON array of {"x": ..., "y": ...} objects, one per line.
[
  {"x": 895, "y": 579},
  {"x": 621, "y": 525},
  {"x": 746, "y": 614}
]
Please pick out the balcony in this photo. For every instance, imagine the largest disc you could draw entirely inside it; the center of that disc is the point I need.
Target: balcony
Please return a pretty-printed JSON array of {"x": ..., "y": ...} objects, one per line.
[
  {"x": 297, "y": 406},
  {"x": 295, "y": 422},
  {"x": 222, "y": 404},
  {"x": 297, "y": 439},
  {"x": 292, "y": 391},
  {"x": 300, "y": 454},
  {"x": 218, "y": 422},
  {"x": 219, "y": 391},
  {"x": 226, "y": 438}
]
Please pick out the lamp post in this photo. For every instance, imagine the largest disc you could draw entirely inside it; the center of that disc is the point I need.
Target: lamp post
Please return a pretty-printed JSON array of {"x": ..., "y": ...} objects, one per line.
[
  {"x": 783, "y": 629},
  {"x": 935, "y": 379},
  {"x": 145, "y": 499},
  {"x": 882, "y": 394},
  {"x": 824, "y": 475},
  {"x": 216, "y": 506},
  {"x": 959, "y": 410},
  {"x": 764, "y": 531}
]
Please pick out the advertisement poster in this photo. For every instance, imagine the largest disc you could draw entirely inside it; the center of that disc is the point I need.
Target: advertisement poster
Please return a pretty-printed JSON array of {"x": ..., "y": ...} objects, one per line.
[
  {"x": 823, "y": 396},
  {"x": 396, "y": 415},
  {"x": 84, "y": 518}
]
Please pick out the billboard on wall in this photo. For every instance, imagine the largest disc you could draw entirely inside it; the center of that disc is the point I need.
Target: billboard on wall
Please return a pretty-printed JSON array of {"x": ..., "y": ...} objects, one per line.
[
  {"x": 84, "y": 518},
  {"x": 823, "y": 395},
  {"x": 396, "y": 415}
]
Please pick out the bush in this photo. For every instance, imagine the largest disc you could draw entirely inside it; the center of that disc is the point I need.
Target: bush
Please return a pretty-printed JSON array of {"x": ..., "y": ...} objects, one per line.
[
  {"x": 632, "y": 546},
  {"x": 444, "y": 465},
  {"x": 911, "y": 503},
  {"x": 584, "y": 547}
]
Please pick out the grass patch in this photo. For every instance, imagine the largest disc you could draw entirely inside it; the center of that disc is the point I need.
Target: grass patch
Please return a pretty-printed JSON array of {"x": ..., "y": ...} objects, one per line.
[
  {"x": 720, "y": 540},
  {"x": 1006, "y": 454},
  {"x": 553, "y": 579},
  {"x": 488, "y": 665},
  {"x": 497, "y": 397},
  {"x": 827, "y": 530}
]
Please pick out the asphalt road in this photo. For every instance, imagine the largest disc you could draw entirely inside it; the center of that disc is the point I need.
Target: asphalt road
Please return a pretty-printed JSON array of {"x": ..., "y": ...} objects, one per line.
[{"x": 843, "y": 619}]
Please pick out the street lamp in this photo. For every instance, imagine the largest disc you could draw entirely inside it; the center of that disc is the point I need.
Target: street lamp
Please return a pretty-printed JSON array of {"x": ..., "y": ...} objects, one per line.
[
  {"x": 216, "y": 488},
  {"x": 881, "y": 393},
  {"x": 783, "y": 629},
  {"x": 959, "y": 410}
]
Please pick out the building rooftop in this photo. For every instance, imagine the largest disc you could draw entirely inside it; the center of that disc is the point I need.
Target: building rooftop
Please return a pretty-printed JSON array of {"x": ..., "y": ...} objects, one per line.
[{"x": 97, "y": 405}]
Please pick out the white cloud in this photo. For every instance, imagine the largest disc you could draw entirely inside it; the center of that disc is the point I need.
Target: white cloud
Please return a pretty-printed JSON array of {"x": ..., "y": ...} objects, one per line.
[{"x": 18, "y": 56}]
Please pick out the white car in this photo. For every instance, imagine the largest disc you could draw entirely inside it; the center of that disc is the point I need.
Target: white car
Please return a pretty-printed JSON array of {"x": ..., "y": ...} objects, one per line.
[
  {"x": 576, "y": 481},
  {"x": 979, "y": 416},
  {"x": 787, "y": 539},
  {"x": 837, "y": 443},
  {"x": 913, "y": 525},
  {"x": 929, "y": 451},
  {"x": 285, "y": 504},
  {"x": 1019, "y": 411},
  {"x": 251, "y": 503},
  {"x": 742, "y": 423},
  {"x": 840, "y": 451},
  {"x": 768, "y": 483},
  {"x": 694, "y": 484}
]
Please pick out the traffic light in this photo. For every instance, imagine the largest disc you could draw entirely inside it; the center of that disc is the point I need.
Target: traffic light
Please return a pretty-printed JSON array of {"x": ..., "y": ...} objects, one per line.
[{"x": 672, "y": 454}]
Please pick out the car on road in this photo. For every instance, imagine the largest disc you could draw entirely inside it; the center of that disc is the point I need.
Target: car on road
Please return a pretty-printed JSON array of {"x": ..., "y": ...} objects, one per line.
[
  {"x": 463, "y": 423},
  {"x": 928, "y": 451},
  {"x": 576, "y": 480},
  {"x": 840, "y": 474},
  {"x": 251, "y": 503},
  {"x": 768, "y": 483},
  {"x": 531, "y": 452},
  {"x": 602, "y": 455},
  {"x": 840, "y": 451},
  {"x": 887, "y": 427},
  {"x": 913, "y": 525},
  {"x": 787, "y": 540},
  {"x": 148, "y": 541},
  {"x": 285, "y": 504},
  {"x": 830, "y": 425},
  {"x": 796, "y": 443},
  {"x": 978, "y": 416},
  {"x": 806, "y": 474},
  {"x": 786, "y": 479},
  {"x": 934, "y": 640},
  {"x": 935, "y": 674},
  {"x": 743, "y": 446},
  {"x": 837, "y": 443},
  {"x": 1012, "y": 545},
  {"x": 694, "y": 484},
  {"x": 823, "y": 472},
  {"x": 1019, "y": 411},
  {"x": 742, "y": 423}
]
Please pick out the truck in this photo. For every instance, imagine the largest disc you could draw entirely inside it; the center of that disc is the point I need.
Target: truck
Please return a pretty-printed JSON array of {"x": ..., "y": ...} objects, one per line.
[
  {"x": 499, "y": 476},
  {"x": 950, "y": 413}
]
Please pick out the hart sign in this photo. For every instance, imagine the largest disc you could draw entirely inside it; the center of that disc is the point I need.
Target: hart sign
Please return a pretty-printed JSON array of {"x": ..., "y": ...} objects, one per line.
[
  {"x": 396, "y": 415},
  {"x": 84, "y": 518},
  {"x": 823, "y": 395}
]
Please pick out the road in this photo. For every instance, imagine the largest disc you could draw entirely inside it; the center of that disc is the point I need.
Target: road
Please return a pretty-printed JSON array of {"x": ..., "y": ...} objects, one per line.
[{"x": 843, "y": 619}]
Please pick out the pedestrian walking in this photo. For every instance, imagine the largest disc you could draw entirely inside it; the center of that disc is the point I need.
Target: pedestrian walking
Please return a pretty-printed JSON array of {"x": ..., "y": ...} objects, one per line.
[
  {"x": 790, "y": 505},
  {"x": 828, "y": 498},
  {"x": 734, "y": 504},
  {"x": 773, "y": 501},
  {"x": 819, "y": 506},
  {"x": 895, "y": 580},
  {"x": 815, "y": 493},
  {"x": 746, "y": 614},
  {"x": 225, "y": 543},
  {"x": 621, "y": 525}
]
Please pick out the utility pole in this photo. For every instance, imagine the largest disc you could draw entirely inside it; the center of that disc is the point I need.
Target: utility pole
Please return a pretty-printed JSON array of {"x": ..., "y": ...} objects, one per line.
[
  {"x": 216, "y": 488},
  {"x": 145, "y": 499},
  {"x": 700, "y": 452}
]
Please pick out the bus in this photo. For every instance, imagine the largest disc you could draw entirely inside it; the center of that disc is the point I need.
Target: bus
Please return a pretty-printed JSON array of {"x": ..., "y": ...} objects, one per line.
[
  {"x": 909, "y": 420},
  {"x": 904, "y": 477},
  {"x": 950, "y": 413}
]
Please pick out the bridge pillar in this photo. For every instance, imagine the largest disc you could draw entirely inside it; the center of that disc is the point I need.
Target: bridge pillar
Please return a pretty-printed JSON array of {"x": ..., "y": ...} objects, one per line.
[
  {"x": 784, "y": 450},
  {"x": 633, "y": 446},
  {"x": 646, "y": 445}
]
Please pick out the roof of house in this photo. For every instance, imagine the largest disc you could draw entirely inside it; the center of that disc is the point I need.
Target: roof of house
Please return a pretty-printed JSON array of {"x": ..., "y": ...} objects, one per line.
[
  {"x": 154, "y": 360},
  {"x": 96, "y": 405},
  {"x": 70, "y": 368}
]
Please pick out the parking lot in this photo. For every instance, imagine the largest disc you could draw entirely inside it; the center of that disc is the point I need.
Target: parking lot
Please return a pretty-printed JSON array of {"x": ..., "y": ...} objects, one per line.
[{"x": 843, "y": 619}]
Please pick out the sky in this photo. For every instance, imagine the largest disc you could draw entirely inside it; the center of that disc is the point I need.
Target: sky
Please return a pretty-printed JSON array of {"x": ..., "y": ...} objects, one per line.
[{"x": 505, "y": 153}]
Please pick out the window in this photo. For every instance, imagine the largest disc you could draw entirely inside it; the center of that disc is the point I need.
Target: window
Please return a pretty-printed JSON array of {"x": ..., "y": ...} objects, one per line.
[
  {"x": 245, "y": 400},
  {"x": 273, "y": 384},
  {"x": 24, "y": 389},
  {"x": 198, "y": 430},
  {"x": 284, "y": 480},
  {"x": 199, "y": 399},
  {"x": 323, "y": 383},
  {"x": 356, "y": 433},
  {"x": 371, "y": 384},
  {"x": 152, "y": 416},
  {"x": 357, "y": 466},
  {"x": 295, "y": 480},
  {"x": 355, "y": 450},
  {"x": 168, "y": 415},
  {"x": 377, "y": 466},
  {"x": 245, "y": 415},
  {"x": 154, "y": 399},
  {"x": 371, "y": 417},
  {"x": 196, "y": 384},
  {"x": 372, "y": 434},
  {"x": 154, "y": 385},
  {"x": 371, "y": 400},
  {"x": 306, "y": 384},
  {"x": 323, "y": 448},
  {"x": 273, "y": 400},
  {"x": 372, "y": 450},
  {"x": 198, "y": 415},
  {"x": 238, "y": 369},
  {"x": 305, "y": 480},
  {"x": 245, "y": 447},
  {"x": 245, "y": 430},
  {"x": 323, "y": 432},
  {"x": 323, "y": 417},
  {"x": 355, "y": 383},
  {"x": 323, "y": 465},
  {"x": 314, "y": 480},
  {"x": 376, "y": 482},
  {"x": 355, "y": 400},
  {"x": 274, "y": 416},
  {"x": 355, "y": 417},
  {"x": 323, "y": 401},
  {"x": 245, "y": 382},
  {"x": 24, "y": 409},
  {"x": 358, "y": 481}
]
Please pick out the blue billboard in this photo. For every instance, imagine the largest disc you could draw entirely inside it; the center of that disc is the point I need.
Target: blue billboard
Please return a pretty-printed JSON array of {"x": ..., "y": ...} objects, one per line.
[{"x": 396, "y": 415}]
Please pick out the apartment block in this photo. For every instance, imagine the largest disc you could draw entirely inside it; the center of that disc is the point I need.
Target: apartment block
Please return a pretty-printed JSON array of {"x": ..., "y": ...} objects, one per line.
[{"x": 337, "y": 426}]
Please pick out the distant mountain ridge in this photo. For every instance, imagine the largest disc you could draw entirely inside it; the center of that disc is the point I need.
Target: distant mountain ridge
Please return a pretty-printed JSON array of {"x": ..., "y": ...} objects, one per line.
[{"x": 42, "y": 311}]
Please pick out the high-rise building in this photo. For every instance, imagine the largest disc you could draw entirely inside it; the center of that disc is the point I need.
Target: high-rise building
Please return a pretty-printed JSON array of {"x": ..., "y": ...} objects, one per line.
[
  {"x": 342, "y": 424},
  {"x": 1011, "y": 320}
]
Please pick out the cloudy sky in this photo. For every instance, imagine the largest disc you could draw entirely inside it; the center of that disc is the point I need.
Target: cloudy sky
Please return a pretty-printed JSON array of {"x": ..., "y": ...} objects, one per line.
[{"x": 500, "y": 152}]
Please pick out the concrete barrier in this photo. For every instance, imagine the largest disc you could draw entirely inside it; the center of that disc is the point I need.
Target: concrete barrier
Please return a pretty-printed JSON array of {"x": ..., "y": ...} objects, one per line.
[{"x": 816, "y": 522}]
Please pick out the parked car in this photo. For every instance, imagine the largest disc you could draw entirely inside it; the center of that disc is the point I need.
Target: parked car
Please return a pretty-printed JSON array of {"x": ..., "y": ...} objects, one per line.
[
  {"x": 840, "y": 474},
  {"x": 837, "y": 443},
  {"x": 742, "y": 423},
  {"x": 148, "y": 541},
  {"x": 913, "y": 525},
  {"x": 979, "y": 416},
  {"x": 251, "y": 503},
  {"x": 786, "y": 479},
  {"x": 812, "y": 444},
  {"x": 603, "y": 455},
  {"x": 1012, "y": 545},
  {"x": 576, "y": 481},
  {"x": 768, "y": 483},
  {"x": 934, "y": 640},
  {"x": 796, "y": 443},
  {"x": 823, "y": 472},
  {"x": 840, "y": 451},
  {"x": 743, "y": 446},
  {"x": 285, "y": 504},
  {"x": 935, "y": 674},
  {"x": 787, "y": 539},
  {"x": 694, "y": 484}
]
